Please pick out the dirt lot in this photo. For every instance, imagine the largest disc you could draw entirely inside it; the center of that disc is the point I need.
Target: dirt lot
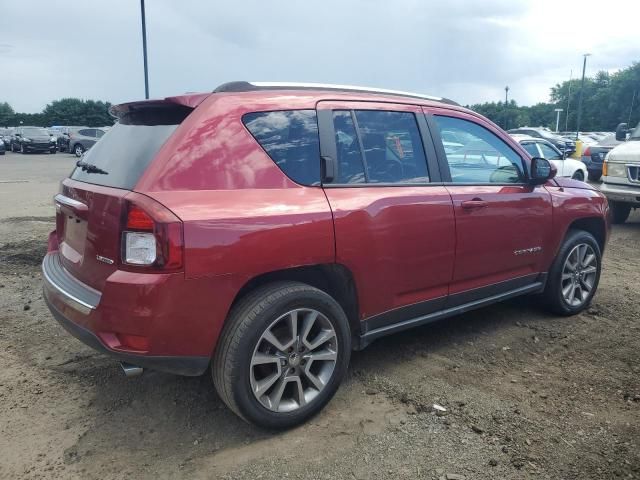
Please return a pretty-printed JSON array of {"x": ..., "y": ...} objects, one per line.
[{"x": 528, "y": 395}]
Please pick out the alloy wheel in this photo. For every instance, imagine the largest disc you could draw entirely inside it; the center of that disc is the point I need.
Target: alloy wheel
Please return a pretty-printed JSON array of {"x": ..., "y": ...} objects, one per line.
[
  {"x": 579, "y": 274},
  {"x": 293, "y": 360}
]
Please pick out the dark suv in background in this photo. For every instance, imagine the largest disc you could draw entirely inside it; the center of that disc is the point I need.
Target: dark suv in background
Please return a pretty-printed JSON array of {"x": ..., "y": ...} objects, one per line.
[
  {"x": 563, "y": 144},
  {"x": 33, "y": 139},
  {"x": 267, "y": 230}
]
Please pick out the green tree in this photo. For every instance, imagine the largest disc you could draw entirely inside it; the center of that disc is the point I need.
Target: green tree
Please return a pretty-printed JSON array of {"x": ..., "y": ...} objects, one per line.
[
  {"x": 6, "y": 114},
  {"x": 73, "y": 111}
]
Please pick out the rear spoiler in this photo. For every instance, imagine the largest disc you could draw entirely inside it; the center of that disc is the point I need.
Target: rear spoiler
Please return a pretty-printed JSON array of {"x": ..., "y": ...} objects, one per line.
[{"x": 191, "y": 100}]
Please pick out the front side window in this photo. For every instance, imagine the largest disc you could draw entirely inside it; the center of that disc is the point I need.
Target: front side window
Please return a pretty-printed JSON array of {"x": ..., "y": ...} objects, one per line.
[
  {"x": 482, "y": 158},
  {"x": 549, "y": 153},
  {"x": 531, "y": 149},
  {"x": 290, "y": 138}
]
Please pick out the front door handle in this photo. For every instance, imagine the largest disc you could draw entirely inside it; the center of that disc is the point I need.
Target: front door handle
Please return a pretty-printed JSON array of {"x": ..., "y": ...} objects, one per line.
[{"x": 475, "y": 203}]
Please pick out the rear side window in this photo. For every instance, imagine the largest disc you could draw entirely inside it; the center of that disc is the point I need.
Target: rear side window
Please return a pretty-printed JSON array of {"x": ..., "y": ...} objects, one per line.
[
  {"x": 376, "y": 146},
  {"x": 87, "y": 132},
  {"x": 125, "y": 150},
  {"x": 290, "y": 138},
  {"x": 531, "y": 149}
]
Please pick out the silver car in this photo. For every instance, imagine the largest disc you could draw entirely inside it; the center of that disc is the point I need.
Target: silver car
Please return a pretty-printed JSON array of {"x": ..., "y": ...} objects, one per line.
[{"x": 83, "y": 139}]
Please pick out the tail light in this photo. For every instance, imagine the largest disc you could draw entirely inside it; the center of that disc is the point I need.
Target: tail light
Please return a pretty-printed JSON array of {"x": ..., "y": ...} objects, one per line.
[
  {"x": 586, "y": 152},
  {"x": 152, "y": 236}
]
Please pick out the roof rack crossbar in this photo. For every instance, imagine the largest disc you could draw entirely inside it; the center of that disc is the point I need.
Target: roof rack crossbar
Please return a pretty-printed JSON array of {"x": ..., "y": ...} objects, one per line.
[{"x": 243, "y": 86}]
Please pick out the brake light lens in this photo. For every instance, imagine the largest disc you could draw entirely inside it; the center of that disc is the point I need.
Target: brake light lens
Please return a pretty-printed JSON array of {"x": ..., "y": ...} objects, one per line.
[
  {"x": 138, "y": 219},
  {"x": 586, "y": 152},
  {"x": 152, "y": 236}
]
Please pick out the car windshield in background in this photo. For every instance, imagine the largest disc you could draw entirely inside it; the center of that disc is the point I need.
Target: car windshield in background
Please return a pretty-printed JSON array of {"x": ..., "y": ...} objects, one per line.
[
  {"x": 35, "y": 131},
  {"x": 124, "y": 151}
]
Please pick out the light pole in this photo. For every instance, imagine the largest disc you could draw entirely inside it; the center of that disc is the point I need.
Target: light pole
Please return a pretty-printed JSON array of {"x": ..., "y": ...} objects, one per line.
[
  {"x": 558, "y": 110},
  {"x": 584, "y": 67},
  {"x": 144, "y": 50},
  {"x": 506, "y": 102}
]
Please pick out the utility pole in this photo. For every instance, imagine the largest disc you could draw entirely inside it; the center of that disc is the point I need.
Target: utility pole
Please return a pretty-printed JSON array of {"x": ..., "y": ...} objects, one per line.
[
  {"x": 566, "y": 118},
  {"x": 558, "y": 110},
  {"x": 506, "y": 103},
  {"x": 584, "y": 67},
  {"x": 144, "y": 50},
  {"x": 633, "y": 99}
]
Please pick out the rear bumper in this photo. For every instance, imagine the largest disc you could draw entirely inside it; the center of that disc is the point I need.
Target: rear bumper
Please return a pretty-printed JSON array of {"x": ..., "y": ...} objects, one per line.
[
  {"x": 621, "y": 193},
  {"x": 98, "y": 319}
]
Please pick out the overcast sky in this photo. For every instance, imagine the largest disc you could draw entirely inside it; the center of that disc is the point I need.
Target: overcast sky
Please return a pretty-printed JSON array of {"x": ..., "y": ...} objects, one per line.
[{"x": 464, "y": 50}]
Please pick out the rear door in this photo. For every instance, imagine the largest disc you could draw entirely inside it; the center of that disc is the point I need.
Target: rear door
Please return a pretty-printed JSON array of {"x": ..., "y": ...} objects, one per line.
[
  {"x": 503, "y": 224},
  {"x": 394, "y": 225},
  {"x": 90, "y": 206}
]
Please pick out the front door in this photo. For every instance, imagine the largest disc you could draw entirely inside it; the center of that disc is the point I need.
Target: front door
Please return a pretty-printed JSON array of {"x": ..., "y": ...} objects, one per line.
[
  {"x": 503, "y": 224},
  {"x": 394, "y": 227}
]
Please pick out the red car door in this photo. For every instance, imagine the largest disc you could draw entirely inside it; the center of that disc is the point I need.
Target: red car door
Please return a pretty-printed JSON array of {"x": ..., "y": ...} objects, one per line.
[
  {"x": 394, "y": 228},
  {"x": 503, "y": 223}
]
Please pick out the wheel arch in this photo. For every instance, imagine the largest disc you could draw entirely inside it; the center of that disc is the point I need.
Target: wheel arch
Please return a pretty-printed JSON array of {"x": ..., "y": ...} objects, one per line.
[
  {"x": 593, "y": 225},
  {"x": 334, "y": 279}
]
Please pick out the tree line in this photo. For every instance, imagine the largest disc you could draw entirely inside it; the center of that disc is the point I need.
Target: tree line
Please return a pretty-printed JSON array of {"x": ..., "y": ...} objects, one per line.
[
  {"x": 67, "y": 111},
  {"x": 608, "y": 99}
]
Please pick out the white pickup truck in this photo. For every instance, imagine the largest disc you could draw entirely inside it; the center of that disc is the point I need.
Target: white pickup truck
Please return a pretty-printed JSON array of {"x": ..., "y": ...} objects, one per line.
[{"x": 621, "y": 174}]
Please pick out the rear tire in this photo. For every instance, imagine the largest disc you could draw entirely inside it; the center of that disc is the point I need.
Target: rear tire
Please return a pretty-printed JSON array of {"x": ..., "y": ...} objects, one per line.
[
  {"x": 574, "y": 275},
  {"x": 78, "y": 150},
  {"x": 620, "y": 211},
  {"x": 594, "y": 177},
  {"x": 305, "y": 382}
]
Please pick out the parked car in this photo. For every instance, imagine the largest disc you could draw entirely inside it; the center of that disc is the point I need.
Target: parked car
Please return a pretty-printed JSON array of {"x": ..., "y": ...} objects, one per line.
[
  {"x": 2, "y": 149},
  {"x": 82, "y": 139},
  {"x": 32, "y": 139},
  {"x": 593, "y": 156},
  {"x": 566, "y": 166},
  {"x": 280, "y": 226},
  {"x": 63, "y": 135},
  {"x": 565, "y": 145},
  {"x": 621, "y": 173},
  {"x": 5, "y": 137}
]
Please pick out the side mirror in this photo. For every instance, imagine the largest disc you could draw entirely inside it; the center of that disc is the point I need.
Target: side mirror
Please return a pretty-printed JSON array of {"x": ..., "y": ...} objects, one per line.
[
  {"x": 621, "y": 132},
  {"x": 541, "y": 170}
]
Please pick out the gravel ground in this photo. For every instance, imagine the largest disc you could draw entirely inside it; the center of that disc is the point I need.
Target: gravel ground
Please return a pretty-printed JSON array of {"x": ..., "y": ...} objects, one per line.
[{"x": 527, "y": 395}]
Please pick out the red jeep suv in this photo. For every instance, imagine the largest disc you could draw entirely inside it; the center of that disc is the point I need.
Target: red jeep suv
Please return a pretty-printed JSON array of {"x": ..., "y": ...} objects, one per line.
[{"x": 266, "y": 230}]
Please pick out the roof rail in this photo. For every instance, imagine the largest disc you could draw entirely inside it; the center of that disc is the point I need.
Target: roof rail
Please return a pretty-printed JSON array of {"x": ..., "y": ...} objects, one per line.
[{"x": 243, "y": 86}]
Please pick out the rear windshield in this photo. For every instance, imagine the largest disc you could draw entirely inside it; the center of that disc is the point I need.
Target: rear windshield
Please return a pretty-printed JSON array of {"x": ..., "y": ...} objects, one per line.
[{"x": 123, "y": 153}]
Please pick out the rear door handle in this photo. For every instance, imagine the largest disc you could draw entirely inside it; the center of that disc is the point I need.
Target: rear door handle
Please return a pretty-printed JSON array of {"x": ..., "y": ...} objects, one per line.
[{"x": 475, "y": 203}]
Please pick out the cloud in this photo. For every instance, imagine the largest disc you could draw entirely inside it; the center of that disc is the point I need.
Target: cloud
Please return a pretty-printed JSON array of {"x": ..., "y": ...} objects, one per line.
[{"x": 467, "y": 51}]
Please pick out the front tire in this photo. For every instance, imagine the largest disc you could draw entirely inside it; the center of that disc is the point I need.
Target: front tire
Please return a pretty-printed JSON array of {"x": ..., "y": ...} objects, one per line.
[
  {"x": 78, "y": 150},
  {"x": 574, "y": 276},
  {"x": 578, "y": 175},
  {"x": 22, "y": 149},
  {"x": 620, "y": 211},
  {"x": 594, "y": 177},
  {"x": 282, "y": 354}
]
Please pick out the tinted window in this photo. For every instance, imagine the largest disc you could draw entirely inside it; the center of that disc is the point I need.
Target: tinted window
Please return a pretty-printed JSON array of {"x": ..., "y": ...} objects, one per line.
[
  {"x": 393, "y": 150},
  {"x": 290, "y": 137},
  {"x": 549, "y": 153},
  {"x": 87, "y": 132},
  {"x": 531, "y": 149},
  {"x": 350, "y": 166},
  {"x": 483, "y": 156},
  {"x": 128, "y": 147},
  {"x": 99, "y": 133}
]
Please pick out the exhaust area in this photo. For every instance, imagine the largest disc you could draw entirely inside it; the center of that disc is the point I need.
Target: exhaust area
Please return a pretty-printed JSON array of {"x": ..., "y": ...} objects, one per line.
[{"x": 131, "y": 370}]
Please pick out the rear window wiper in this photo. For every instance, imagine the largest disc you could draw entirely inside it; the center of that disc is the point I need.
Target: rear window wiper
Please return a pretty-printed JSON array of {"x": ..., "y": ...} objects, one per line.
[{"x": 90, "y": 168}]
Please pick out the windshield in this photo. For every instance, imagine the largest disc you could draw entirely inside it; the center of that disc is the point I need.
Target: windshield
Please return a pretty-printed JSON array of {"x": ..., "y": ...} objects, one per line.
[
  {"x": 635, "y": 135},
  {"x": 34, "y": 131},
  {"x": 123, "y": 153}
]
